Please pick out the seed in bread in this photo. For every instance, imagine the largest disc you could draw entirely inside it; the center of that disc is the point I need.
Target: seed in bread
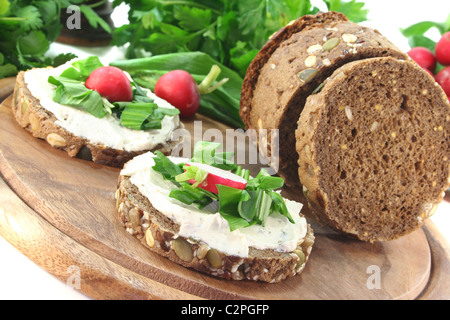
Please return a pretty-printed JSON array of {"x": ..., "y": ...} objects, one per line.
[{"x": 374, "y": 148}]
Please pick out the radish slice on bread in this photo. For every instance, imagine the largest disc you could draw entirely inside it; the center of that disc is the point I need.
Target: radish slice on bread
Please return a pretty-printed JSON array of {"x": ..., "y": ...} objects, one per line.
[{"x": 217, "y": 176}]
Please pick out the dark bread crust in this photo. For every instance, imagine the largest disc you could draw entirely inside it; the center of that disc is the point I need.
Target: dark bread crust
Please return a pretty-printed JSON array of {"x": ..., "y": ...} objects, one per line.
[
  {"x": 273, "y": 95},
  {"x": 374, "y": 148},
  {"x": 159, "y": 234},
  {"x": 41, "y": 124}
]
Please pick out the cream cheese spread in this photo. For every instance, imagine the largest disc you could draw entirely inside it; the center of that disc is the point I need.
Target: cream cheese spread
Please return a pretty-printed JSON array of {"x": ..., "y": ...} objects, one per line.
[
  {"x": 208, "y": 226},
  {"x": 106, "y": 130}
]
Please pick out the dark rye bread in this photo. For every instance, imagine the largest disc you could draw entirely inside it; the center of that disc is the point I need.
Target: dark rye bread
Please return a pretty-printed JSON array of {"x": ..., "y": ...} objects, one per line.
[
  {"x": 160, "y": 235},
  {"x": 374, "y": 148},
  {"x": 41, "y": 124},
  {"x": 276, "y": 85}
]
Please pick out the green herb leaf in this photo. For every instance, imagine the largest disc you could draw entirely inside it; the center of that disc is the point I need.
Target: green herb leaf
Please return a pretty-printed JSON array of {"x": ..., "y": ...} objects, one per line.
[
  {"x": 94, "y": 19},
  {"x": 265, "y": 181},
  {"x": 280, "y": 206},
  {"x": 33, "y": 43},
  {"x": 73, "y": 93},
  {"x": 229, "y": 199},
  {"x": 86, "y": 66},
  {"x": 32, "y": 17},
  {"x": 188, "y": 195},
  {"x": 352, "y": 9},
  {"x": 136, "y": 114},
  {"x": 236, "y": 222},
  {"x": 165, "y": 167},
  {"x": 204, "y": 152},
  {"x": 192, "y": 173}
]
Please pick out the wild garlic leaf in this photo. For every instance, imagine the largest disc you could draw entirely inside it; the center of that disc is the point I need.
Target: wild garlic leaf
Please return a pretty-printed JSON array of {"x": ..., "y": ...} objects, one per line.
[{"x": 165, "y": 167}]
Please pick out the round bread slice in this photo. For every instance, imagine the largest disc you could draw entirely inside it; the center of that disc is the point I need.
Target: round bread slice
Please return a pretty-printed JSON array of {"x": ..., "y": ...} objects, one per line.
[
  {"x": 374, "y": 148},
  {"x": 294, "y": 63},
  {"x": 160, "y": 234},
  {"x": 41, "y": 124}
]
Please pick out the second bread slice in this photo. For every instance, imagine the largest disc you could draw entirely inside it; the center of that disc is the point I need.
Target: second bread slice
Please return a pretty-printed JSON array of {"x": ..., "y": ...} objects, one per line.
[{"x": 374, "y": 148}]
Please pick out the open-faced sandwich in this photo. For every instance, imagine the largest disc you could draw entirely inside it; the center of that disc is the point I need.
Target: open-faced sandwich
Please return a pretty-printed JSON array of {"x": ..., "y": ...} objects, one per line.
[
  {"x": 94, "y": 112},
  {"x": 208, "y": 214}
]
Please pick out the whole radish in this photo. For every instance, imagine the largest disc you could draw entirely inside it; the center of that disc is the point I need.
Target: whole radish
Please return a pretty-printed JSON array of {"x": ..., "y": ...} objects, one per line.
[
  {"x": 424, "y": 58},
  {"x": 179, "y": 89},
  {"x": 442, "y": 49},
  {"x": 443, "y": 78},
  {"x": 111, "y": 83}
]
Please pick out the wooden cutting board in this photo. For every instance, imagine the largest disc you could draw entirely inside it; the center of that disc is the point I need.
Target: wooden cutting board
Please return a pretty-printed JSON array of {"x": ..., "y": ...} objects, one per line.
[{"x": 60, "y": 212}]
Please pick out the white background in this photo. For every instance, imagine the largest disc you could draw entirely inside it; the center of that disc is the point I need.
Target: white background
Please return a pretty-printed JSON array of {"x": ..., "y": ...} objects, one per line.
[{"x": 21, "y": 279}]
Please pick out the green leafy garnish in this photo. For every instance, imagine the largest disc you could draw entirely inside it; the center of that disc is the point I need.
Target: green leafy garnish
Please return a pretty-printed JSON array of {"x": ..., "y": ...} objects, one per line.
[
  {"x": 192, "y": 173},
  {"x": 139, "y": 114},
  {"x": 231, "y": 32},
  {"x": 241, "y": 208},
  {"x": 28, "y": 27},
  {"x": 167, "y": 168}
]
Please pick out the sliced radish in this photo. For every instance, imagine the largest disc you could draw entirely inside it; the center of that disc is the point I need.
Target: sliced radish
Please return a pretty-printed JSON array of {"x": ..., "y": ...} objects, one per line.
[{"x": 218, "y": 176}]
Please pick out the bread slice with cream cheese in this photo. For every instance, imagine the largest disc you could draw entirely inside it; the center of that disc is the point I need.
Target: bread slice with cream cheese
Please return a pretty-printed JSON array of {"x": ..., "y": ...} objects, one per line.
[
  {"x": 103, "y": 141},
  {"x": 201, "y": 239}
]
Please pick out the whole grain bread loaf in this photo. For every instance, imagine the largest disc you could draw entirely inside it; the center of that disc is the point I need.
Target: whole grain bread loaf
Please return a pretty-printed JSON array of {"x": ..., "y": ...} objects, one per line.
[
  {"x": 294, "y": 63},
  {"x": 374, "y": 148},
  {"x": 41, "y": 124},
  {"x": 159, "y": 234}
]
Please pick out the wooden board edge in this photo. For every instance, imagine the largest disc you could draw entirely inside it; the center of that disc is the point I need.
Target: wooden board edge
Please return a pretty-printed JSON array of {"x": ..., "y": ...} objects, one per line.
[
  {"x": 438, "y": 287},
  {"x": 99, "y": 278}
]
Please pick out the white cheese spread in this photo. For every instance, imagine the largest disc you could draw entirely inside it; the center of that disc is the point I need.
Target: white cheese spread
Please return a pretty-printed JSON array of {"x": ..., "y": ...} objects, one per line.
[
  {"x": 208, "y": 225},
  {"x": 106, "y": 130}
]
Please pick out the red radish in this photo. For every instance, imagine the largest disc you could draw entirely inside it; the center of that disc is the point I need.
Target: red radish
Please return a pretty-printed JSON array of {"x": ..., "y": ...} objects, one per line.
[
  {"x": 218, "y": 176},
  {"x": 179, "y": 89},
  {"x": 442, "y": 49},
  {"x": 111, "y": 83},
  {"x": 424, "y": 58},
  {"x": 443, "y": 78}
]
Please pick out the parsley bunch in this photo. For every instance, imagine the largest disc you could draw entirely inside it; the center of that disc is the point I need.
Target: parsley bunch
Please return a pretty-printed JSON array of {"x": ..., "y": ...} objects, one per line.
[
  {"x": 28, "y": 27},
  {"x": 231, "y": 32}
]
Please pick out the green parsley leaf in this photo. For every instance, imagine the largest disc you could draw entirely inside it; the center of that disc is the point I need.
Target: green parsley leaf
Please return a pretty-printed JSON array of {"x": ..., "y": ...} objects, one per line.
[
  {"x": 32, "y": 17},
  {"x": 94, "y": 19},
  {"x": 352, "y": 9}
]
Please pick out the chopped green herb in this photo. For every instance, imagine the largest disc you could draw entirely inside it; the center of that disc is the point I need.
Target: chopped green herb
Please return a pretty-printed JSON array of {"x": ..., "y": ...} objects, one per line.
[
  {"x": 164, "y": 166},
  {"x": 241, "y": 208}
]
